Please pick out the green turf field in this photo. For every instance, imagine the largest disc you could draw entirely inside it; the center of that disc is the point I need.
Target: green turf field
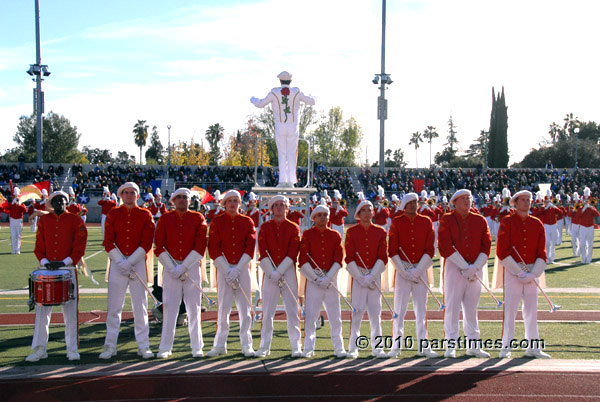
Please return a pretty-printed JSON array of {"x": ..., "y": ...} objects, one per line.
[{"x": 563, "y": 340}]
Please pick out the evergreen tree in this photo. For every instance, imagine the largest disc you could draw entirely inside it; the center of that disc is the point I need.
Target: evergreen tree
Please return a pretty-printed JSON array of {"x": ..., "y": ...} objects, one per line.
[{"x": 498, "y": 141}]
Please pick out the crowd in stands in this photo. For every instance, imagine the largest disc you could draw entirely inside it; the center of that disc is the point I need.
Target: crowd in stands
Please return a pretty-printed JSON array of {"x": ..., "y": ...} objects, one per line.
[{"x": 91, "y": 180}]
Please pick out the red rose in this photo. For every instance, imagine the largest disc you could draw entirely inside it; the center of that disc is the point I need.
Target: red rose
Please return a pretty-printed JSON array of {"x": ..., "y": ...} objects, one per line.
[{"x": 285, "y": 91}]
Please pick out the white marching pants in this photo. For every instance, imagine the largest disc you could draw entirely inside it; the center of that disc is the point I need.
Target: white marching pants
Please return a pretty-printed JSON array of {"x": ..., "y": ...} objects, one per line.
[
  {"x": 551, "y": 239},
  {"x": 459, "y": 291},
  {"x": 559, "y": 231},
  {"x": 575, "y": 239},
  {"x": 16, "y": 228},
  {"x": 315, "y": 297},
  {"x": 586, "y": 243},
  {"x": 117, "y": 288},
  {"x": 514, "y": 292},
  {"x": 402, "y": 292},
  {"x": 370, "y": 300},
  {"x": 225, "y": 296},
  {"x": 84, "y": 218},
  {"x": 286, "y": 138},
  {"x": 42, "y": 321},
  {"x": 102, "y": 222},
  {"x": 567, "y": 224},
  {"x": 436, "y": 224},
  {"x": 33, "y": 225},
  {"x": 339, "y": 229},
  {"x": 270, "y": 297},
  {"x": 173, "y": 290}
]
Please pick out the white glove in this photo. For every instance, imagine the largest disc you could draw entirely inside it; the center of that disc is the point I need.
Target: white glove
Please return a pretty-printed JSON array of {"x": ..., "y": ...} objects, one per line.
[
  {"x": 43, "y": 262},
  {"x": 324, "y": 282},
  {"x": 124, "y": 267},
  {"x": 68, "y": 261},
  {"x": 526, "y": 277},
  {"x": 232, "y": 275},
  {"x": 177, "y": 271},
  {"x": 414, "y": 274},
  {"x": 275, "y": 276},
  {"x": 364, "y": 281},
  {"x": 404, "y": 274},
  {"x": 472, "y": 273}
]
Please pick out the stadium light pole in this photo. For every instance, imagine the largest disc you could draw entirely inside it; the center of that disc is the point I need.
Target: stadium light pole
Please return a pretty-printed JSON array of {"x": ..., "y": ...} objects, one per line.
[
  {"x": 169, "y": 150},
  {"x": 38, "y": 70},
  {"x": 576, "y": 130},
  {"x": 381, "y": 101}
]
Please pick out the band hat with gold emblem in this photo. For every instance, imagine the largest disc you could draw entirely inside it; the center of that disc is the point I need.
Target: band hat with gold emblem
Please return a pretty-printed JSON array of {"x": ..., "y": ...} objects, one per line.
[
  {"x": 361, "y": 206},
  {"x": 230, "y": 194},
  {"x": 513, "y": 200},
  {"x": 181, "y": 191},
  {"x": 278, "y": 197},
  {"x": 319, "y": 209},
  {"x": 125, "y": 186},
  {"x": 408, "y": 198},
  {"x": 284, "y": 76},
  {"x": 460, "y": 193},
  {"x": 54, "y": 194}
]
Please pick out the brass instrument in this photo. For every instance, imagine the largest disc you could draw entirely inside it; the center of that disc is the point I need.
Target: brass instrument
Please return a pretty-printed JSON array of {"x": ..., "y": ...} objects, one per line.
[
  {"x": 579, "y": 205},
  {"x": 342, "y": 203},
  {"x": 555, "y": 201},
  {"x": 506, "y": 201},
  {"x": 385, "y": 203},
  {"x": 431, "y": 202},
  {"x": 593, "y": 201}
]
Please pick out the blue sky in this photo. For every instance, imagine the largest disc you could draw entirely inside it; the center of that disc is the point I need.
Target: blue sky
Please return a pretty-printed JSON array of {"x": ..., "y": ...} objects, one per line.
[{"x": 194, "y": 63}]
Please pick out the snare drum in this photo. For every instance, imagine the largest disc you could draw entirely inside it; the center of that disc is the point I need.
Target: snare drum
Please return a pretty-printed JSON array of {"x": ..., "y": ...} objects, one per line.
[{"x": 51, "y": 288}]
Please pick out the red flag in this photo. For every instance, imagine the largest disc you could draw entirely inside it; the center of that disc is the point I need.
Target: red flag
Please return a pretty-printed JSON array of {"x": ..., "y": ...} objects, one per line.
[
  {"x": 205, "y": 196},
  {"x": 43, "y": 185},
  {"x": 418, "y": 183}
]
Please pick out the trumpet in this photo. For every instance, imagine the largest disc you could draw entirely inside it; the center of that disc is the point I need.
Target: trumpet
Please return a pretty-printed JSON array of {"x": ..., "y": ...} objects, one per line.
[
  {"x": 579, "y": 205},
  {"x": 431, "y": 202},
  {"x": 385, "y": 203},
  {"x": 342, "y": 203},
  {"x": 555, "y": 201},
  {"x": 506, "y": 201},
  {"x": 593, "y": 201}
]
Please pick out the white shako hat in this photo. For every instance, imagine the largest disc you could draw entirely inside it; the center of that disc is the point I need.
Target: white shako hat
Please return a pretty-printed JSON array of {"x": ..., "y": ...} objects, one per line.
[
  {"x": 587, "y": 193},
  {"x": 361, "y": 196},
  {"x": 251, "y": 196},
  {"x": 157, "y": 192},
  {"x": 513, "y": 200},
  {"x": 44, "y": 192},
  {"x": 408, "y": 198},
  {"x": 395, "y": 198},
  {"x": 105, "y": 190},
  {"x": 423, "y": 197},
  {"x": 181, "y": 191},
  {"x": 360, "y": 206},
  {"x": 70, "y": 191},
  {"x": 314, "y": 199},
  {"x": 54, "y": 194},
  {"x": 276, "y": 198},
  {"x": 124, "y": 186},
  {"x": 460, "y": 193},
  {"x": 337, "y": 195},
  {"x": 548, "y": 196},
  {"x": 229, "y": 194},
  {"x": 17, "y": 191},
  {"x": 575, "y": 196},
  {"x": 284, "y": 76},
  {"x": 318, "y": 209},
  {"x": 217, "y": 195},
  {"x": 150, "y": 196}
]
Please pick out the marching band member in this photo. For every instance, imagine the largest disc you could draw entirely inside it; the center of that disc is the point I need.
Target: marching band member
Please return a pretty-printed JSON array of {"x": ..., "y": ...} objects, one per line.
[
  {"x": 252, "y": 210},
  {"x": 586, "y": 227},
  {"x": 547, "y": 215},
  {"x": 231, "y": 243},
  {"x": 567, "y": 213},
  {"x": 156, "y": 206},
  {"x": 337, "y": 213},
  {"x": 324, "y": 246},
  {"x": 60, "y": 242},
  {"x": 395, "y": 208},
  {"x": 295, "y": 216},
  {"x": 522, "y": 250},
  {"x": 487, "y": 211},
  {"x": 465, "y": 243},
  {"x": 366, "y": 259},
  {"x": 381, "y": 212},
  {"x": 38, "y": 206},
  {"x": 180, "y": 243},
  {"x": 411, "y": 237},
  {"x": 106, "y": 203},
  {"x": 73, "y": 206},
  {"x": 278, "y": 245},
  {"x": 128, "y": 235},
  {"x": 575, "y": 215},
  {"x": 285, "y": 102},
  {"x": 15, "y": 212},
  {"x": 560, "y": 215},
  {"x": 424, "y": 208},
  {"x": 215, "y": 209}
]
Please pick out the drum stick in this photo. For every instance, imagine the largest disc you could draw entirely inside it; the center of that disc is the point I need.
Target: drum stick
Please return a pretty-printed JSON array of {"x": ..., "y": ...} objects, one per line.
[{"x": 332, "y": 284}]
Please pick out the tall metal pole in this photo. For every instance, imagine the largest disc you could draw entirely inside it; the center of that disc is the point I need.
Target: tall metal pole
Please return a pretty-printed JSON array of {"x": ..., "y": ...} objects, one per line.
[
  {"x": 383, "y": 106},
  {"x": 169, "y": 150},
  {"x": 576, "y": 145},
  {"x": 39, "y": 97}
]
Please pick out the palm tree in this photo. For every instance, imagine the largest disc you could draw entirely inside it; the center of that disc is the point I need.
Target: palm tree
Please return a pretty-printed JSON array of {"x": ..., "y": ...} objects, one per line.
[
  {"x": 214, "y": 135},
  {"x": 429, "y": 134},
  {"x": 416, "y": 138},
  {"x": 140, "y": 131}
]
